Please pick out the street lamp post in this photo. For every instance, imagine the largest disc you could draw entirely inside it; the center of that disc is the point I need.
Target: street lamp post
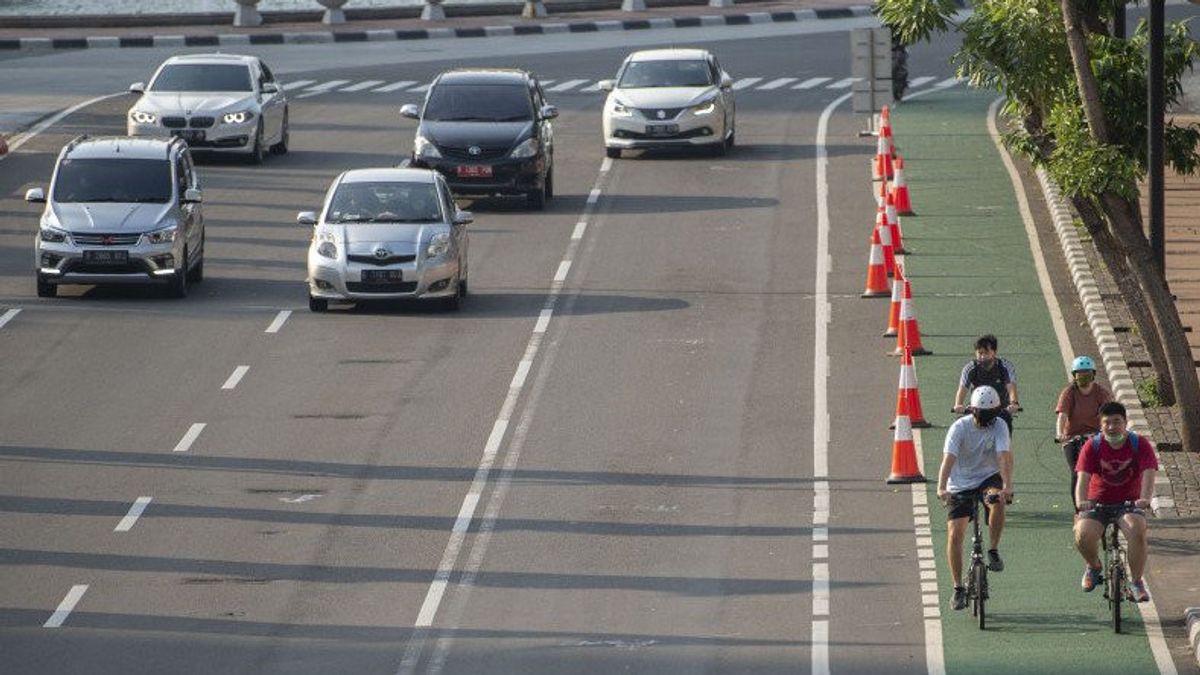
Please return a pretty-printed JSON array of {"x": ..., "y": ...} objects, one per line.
[{"x": 1157, "y": 110}]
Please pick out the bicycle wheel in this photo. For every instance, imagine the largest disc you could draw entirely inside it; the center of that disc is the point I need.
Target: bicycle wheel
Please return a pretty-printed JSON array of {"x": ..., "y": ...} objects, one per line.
[
  {"x": 980, "y": 579},
  {"x": 1116, "y": 589}
]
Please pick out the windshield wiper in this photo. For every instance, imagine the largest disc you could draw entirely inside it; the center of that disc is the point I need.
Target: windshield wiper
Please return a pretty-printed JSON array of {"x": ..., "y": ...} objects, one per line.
[
  {"x": 514, "y": 118},
  {"x": 464, "y": 118}
]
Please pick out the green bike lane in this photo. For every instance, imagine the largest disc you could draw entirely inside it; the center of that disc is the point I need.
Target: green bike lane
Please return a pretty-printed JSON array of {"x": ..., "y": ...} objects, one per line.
[{"x": 973, "y": 272}]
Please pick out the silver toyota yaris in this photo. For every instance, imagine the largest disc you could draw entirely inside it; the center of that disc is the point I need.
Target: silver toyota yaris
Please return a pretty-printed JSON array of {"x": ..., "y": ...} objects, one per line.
[{"x": 387, "y": 234}]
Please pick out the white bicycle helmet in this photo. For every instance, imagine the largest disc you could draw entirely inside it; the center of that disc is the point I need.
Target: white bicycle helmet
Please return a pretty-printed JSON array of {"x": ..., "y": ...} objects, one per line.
[{"x": 984, "y": 398}]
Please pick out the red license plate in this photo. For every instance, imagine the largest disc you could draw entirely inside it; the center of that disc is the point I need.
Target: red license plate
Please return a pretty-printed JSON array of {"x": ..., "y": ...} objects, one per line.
[{"x": 475, "y": 171}]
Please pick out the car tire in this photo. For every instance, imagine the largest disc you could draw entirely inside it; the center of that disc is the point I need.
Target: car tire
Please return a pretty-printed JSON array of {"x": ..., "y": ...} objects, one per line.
[
  {"x": 550, "y": 183},
  {"x": 729, "y": 142},
  {"x": 259, "y": 153},
  {"x": 317, "y": 304},
  {"x": 537, "y": 198},
  {"x": 177, "y": 287},
  {"x": 281, "y": 148},
  {"x": 454, "y": 302},
  {"x": 197, "y": 272},
  {"x": 614, "y": 153},
  {"x": 45, "y": 289}
]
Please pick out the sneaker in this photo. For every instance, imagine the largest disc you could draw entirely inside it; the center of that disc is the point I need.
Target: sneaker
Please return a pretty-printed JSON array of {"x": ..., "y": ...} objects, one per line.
[
  {"x": 995, "y": 564},
  {"x": 1092, "y": 577},
  {"x": 1137, "y": 591},
  {"x": 960, "y": 598}
]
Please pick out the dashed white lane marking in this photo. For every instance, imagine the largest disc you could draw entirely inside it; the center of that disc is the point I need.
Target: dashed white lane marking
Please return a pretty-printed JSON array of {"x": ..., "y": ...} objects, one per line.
[
  {"x": 8, "y": 316},
  {"x": 820, "y": 653},
  {"x": 563, "y": 268},
  {"x": 359, "y": 86},
  {"x": 918, "y": 81},
  {"x": 543, "y": 321},
  {"x": 777, "y": 83},
  {"x": 518, "y": 379},
  {"x": 325, "y": 86},
  {"x": 297, "y": 84},
  {"x": 66, "y": 606},
  {"x": 593, "y": 197},
  {"x": 135, "y": 512},
  {"x": 190, "y": 437},
  {"x": 569, "y": 84},
  {"x": 580, "y": 227},
  {"x": 280, "y": 318},
  {"x": 235, "y": 377},
  {"x": 844, "y": 83},
  {"x": 745, "y": 82},
  {"x": 421, "y": 89},
  {"x": 812, "y": 82},
  {"x": 395, "y": 86}
]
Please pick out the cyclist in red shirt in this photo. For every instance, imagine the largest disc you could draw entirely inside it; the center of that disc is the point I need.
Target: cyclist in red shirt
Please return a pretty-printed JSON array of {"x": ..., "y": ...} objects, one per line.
[{"x": 1115, "y": 466}]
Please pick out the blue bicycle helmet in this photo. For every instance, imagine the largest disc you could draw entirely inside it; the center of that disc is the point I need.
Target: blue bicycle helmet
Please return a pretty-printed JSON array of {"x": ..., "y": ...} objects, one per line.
[{"x": 1082, "y": 363}]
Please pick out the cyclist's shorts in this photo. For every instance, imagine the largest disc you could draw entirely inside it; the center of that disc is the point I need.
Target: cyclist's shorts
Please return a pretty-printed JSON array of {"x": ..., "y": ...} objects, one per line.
[
  {"x": 1107, "y": 514},
  {"x": 965, "y": 508}
]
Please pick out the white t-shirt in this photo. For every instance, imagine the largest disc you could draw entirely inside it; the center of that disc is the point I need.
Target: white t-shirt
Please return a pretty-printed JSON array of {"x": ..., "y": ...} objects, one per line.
[{"x": 977, "y": 452}]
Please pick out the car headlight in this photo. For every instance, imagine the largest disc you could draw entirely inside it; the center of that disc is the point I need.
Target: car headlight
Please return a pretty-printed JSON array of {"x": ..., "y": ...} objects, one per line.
[
  {"x": 240, "y": 117},
  {"x": 142, "y": 117},
  {"x": 527, "y": 148},
  {"x": 327, "y": 249},
  {"x": 53, "y": 235},
  {"x": 704, "y": 107},
  {"x": 621, "y": 110},
  {"x": 423, "y": 147},
  {"x": 438, "y": 245},
  {"x": 163, "y": 236}
]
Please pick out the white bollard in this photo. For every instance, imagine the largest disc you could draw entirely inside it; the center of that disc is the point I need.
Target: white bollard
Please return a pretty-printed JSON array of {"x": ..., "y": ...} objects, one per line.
[
  {"x": 534, "y": 9},
  {"x": 247, "y": 13},
  {"x": 333, "y": 11},
  {"x": 633, "y": 5},
  {"x": 433, "y": 11}
]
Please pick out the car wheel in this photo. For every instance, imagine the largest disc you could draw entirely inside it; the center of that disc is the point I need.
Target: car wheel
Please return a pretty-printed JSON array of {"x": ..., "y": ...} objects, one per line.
[
  {"x": 550, "y": 183},
  {"x": 537, "y": 198},
  {"x": 281, "y": 147},
  {"x": 178, "y": 286},
  {"x": 317, "y": 304},
  {"x": 730, "y": 141},
  {"x": 197, "y": 272},
  {"x": 454, "y": 302},
  {"x": 614, "y": 153},
  {"x": 259, "y": 153},
  {"x": 45, "y": 289}
]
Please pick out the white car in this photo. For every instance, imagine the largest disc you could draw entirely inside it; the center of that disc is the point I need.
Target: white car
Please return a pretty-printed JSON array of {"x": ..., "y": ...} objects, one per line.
[
  {"x": 386, "y": 234},
  {"x": 669, "y": 98},
  {"x": 215, "y": 102}
]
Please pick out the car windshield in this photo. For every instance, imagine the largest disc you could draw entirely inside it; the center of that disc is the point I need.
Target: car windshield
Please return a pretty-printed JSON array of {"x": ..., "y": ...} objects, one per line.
[
  {"x": 121, "y": 180},
  {"x": 478, "y": 103},
  {"x": 638, "y": 74},
  {"x": 384, "y": 202},
  {"x": 203, "y": 77}
]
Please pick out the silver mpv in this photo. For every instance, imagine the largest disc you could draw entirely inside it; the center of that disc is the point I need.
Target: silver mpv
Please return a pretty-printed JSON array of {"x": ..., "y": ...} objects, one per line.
[{"x": 120, "y": 210}]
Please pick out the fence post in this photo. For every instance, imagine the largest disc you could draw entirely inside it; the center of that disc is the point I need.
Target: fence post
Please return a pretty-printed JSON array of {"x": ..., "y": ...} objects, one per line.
[
  {"x": 247, "y": 13},
  {"x": 333, "y": 11},
  {"x": 433, "y": 11}
]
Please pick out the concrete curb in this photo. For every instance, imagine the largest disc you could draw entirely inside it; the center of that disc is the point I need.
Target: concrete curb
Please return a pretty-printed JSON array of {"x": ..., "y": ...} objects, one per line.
[
  {"x": 325, "y": 37},
  {"x": 1102, "y": 331}
]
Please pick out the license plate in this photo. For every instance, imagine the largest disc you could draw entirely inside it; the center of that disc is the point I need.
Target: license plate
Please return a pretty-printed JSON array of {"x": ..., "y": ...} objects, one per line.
[
  {"x": 475, "y": 171},
  {"x": 662, "y": 129},
  {"x": 382, "y": 276},
  {"x": 106, "y": 257},
  {"x": 190, "y": 135}
]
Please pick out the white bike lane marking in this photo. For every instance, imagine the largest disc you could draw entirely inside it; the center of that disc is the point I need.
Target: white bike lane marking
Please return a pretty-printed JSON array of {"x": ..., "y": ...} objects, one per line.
[
  {"x": 441, "y": 581},
  {"x": 66, "y": 606},
  {"x": 135, "y": 512},
  {"x": 8, "y": 316}
]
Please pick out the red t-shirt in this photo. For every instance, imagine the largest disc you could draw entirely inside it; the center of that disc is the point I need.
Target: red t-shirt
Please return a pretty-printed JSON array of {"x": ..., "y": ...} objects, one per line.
[{"x": 1116, "y": 472}]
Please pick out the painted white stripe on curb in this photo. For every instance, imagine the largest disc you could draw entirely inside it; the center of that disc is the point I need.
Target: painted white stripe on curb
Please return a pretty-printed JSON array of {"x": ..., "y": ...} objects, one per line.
[
  {"x": 235, "y": 377},
  {"x": 66, "y": 606},
  {"x": 135, "y": 512},
  {"x": 8, "y": 316},
  {"x": 280, "y": 318},
  {"x": 190, "y": 437}
]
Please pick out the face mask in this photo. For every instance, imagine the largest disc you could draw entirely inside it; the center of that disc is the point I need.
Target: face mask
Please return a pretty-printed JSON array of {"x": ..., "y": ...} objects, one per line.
[
  {"x": 1084, "y": 379},
  {"x": 1114, "y": 439},
  {"x": 986, "y": 364},
  {"x": 984, "y": 417}
]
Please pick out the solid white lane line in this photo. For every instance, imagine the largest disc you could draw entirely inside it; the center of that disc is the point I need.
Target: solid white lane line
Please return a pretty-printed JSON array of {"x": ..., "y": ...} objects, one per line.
[
  {"x": 745, "y": 82},
  {"x": 543, "y": 321},
  {"x": 296, "y": 84},
  {"x": 135, "y": 512},
  {"x": 563, "y": 268},
  {"x": 812, "y": 82},
  {"x": 280, "y": 318},
  {"x": 395, "y": 86},
  {"x": 844, "y": 83},
  {"x": 190, "y": 437},
  {"x": 569, "y": 84},
  {"x": 918, "y": 81},
  {"x": 8, "y": 316},
  {"x": 20, "y": 139},
  {"x": 235, "y": 377},
  {"x": 775, "y": 84},
  {"x": 948, "y": 82},
  {"x": 359, "y": 86},
  {"x": 66, "y": 606}
]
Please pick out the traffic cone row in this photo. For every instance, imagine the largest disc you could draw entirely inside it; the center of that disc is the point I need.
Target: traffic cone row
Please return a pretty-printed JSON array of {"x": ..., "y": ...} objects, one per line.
[
  {"x": 908, "y": 336},
  {"x": 900, "y": 190},
  {"x": 877, "y": 276}
]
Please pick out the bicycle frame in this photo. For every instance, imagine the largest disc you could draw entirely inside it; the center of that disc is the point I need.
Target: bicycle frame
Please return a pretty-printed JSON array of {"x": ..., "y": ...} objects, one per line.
[
  {"x": 977, "y": 583},
  {"x": 1115, "y": 561}
]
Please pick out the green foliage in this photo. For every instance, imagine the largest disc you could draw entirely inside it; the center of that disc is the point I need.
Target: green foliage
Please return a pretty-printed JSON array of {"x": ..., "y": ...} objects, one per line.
[
  {"x": 916, "y": 20},
  {"x": 1148, "y": 393}
]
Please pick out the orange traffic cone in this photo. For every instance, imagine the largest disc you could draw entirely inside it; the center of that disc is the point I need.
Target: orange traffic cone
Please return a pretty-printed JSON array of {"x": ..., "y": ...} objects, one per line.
[
  {"x": 909, "y": 336},
  {"x": 909, "y": 393},
  {"x": 885, "y": 242},
  {"x": 900, "y": 190},
  {"x": 893, "y": 221},
  {"x": 893, "y": 328},
  {"x": 904, "y": 452},
  {"x": 876, "y": 270}
]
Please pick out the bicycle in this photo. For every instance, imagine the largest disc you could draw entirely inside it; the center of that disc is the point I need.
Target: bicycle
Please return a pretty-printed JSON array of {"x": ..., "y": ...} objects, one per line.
[
  {"x": 977, "y": 582},
  {"x": 1115, "y": 558},
  {"x": 1071, "y": 446}
]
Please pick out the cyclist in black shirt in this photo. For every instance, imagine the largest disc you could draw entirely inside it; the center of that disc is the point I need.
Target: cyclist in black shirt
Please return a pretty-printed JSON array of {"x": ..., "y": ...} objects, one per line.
[{"x": 989, "y": 369}]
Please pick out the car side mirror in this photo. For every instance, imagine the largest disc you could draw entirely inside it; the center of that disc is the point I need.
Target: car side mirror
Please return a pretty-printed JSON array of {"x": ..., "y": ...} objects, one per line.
[
  {"x": 463, "y": 217},
  {"x": 411, "y": 111},
  {"x": 606, "y": 85},
  {"x": 138, "y": 87},
  {"x": 192, "y": 196},
  {"x": 35, "y": 196},
  {"x": 306, "y": 218},
  {"x": 549, "y": 112},
  {"x": 726, "y": 81},
  {"x": 270, "y": 88}
]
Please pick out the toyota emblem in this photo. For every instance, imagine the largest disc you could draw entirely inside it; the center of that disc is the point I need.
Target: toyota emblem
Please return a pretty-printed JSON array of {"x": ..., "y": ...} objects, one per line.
[
  {"x": 474, "y": 150},
  {"x": 381, "y": 252},
  {"x": 662, "y": 114},
  {"x": 108, "y": 240}
]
